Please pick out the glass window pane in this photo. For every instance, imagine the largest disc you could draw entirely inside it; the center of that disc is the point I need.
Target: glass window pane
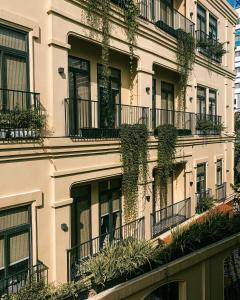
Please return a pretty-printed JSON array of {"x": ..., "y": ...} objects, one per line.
[
  {"x": 104, "y": 205},
  {"x": 14, "y": 217},
  {"x": 2, "y": 264},
  {"x": 16, "y": 71},
  {"x": 116, "y": 202},
  {"x": 13, "y": 39},
  {"x": 19, "y": 247}
]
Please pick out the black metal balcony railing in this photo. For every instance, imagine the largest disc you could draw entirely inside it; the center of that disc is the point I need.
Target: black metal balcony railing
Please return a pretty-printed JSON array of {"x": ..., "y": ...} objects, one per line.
[
  {"x": 209, "y": 46},
  {"x": 89, "y": 119},
  {"x": 168, "y": 19},
  {"x": 75, "y": 255},
  {"x": 199, "y": 197},
  {"x": 170, "y": 216},
  {"x": 208, "y": 124},
  {"x": 20, "y": 114},
  {"x": 221, "y": 192},
  {"x": 183, "y": 121},
  {"x": 12, "y": 284}
]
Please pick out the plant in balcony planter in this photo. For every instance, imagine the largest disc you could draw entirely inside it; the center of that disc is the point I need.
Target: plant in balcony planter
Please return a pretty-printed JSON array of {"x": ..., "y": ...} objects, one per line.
[
  {"x": 167, "y": 140},
  {"x": 22, "y": 123},
  {"x": 134, "y": 155},
  {"x": 205, "y": 204},
  {"x": 185, "y": 60}
]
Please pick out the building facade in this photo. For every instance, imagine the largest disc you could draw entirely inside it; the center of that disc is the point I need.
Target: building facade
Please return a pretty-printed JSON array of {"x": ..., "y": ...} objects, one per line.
[{"x": 60, "y": 196}]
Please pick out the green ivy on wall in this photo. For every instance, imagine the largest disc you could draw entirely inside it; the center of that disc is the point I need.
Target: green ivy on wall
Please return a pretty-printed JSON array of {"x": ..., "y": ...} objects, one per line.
[
  {"x": 167, "y": 139},
  {"x": 134, "y": 154},
  {"x": 185, "y": 60}
]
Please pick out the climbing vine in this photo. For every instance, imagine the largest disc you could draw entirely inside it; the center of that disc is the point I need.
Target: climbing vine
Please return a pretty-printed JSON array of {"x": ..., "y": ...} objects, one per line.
[
  {"x": 134, "y": 156},
  {"x": 185, "y": 59},
  {"x": 98, "y": 16},
  {"x": 167, "y": 139}
]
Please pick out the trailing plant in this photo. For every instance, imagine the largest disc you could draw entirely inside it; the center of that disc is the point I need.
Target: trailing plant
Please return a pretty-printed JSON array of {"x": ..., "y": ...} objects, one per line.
[
  {"x": 134, "y": 158},
  {"x": 98, "y": 15},
  {"x": 130, "y": 16},
  {"x": 185, "y": 59},
  {"x": 167, "y": 139}
]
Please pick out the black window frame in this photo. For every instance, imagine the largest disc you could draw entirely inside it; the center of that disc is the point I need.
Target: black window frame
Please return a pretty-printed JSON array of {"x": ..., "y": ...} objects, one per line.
[
  {"x": 16, "y": 53},
  {"x": 211, "y": 28},
  {"x": 5, "y": 234}
]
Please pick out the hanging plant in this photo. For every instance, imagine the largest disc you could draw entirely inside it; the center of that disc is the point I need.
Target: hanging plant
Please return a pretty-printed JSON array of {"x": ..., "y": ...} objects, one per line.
[
  {"x": 98, "y": 17},
  {"x": 134, "y": 159},
  {"x": 185, "y": 59},
  {"x": 167, "y": 139},
  {"x": 131, "y": 13},
  {"x": 98, "y": 13}
]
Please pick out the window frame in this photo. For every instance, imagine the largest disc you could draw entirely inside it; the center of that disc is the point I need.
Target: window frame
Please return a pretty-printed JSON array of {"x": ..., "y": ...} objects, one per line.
[
  {"x": 6, "y": 51},
  {"x": 6, "y": 234}
]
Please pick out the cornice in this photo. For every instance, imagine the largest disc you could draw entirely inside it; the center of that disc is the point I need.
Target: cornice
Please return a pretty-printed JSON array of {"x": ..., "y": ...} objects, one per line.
[{"x": 95, "y": 148}]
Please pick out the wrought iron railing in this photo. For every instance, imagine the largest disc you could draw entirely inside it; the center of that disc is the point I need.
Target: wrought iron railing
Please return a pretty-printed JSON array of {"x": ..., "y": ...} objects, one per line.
[
  {"x": 200, "y": 196},
  {"x": 75, "y": 255},
  {"x": 170, "y": 216},
  {"x": 221, "y": 192},
  {"x": 12, "y": 284},
  {"x": 209, "y": 46},
  {"x": 208, "y": 124},
  {"x": 168, "y": 19},
  {"x": 20, "y": 114},
  {"x": 183, "y": 121},
  {"x": 90, "y": 119}
]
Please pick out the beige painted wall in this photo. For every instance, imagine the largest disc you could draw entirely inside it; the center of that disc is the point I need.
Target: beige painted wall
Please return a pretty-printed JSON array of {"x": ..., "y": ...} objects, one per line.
[{"x": 54, "y": 166}]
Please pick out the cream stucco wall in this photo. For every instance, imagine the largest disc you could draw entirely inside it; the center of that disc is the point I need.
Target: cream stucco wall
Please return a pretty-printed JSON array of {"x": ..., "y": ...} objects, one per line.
[{"x": 58, "y": 28}]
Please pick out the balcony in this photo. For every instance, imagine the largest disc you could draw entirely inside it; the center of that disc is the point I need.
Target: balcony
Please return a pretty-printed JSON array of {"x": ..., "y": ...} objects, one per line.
[
  {"x": 12, "y": 284},
  {"x": 170, "y": 216},
  {"x": 208, "y": 124},
  {"x": 89, "y": 119},
  {"x": 169, "y": 20},
  {"x": 209, "y": 46},
  {"x": 221, "y": 192},
  {"x": 200, "y": 197},
  {"x": 20, "y": 115},
  {"x": 183, "y": 121},
  {"x": 75, "y": 255}
]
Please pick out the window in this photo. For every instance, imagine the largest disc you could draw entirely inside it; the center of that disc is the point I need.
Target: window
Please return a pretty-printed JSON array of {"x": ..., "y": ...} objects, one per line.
[
  {"x": 109, "y": 118},
  {"x": 167, "y": 103},
  {"x": 81, "y": 217},
  {"x": 212, "y": 102},
  {"x": 13, "y": 67},
  {"x": 219, "y": 172},
  {"x": 213, "y": 32},
  {"x": 237, "y": 85},
  {"x": 110, "y": 211},
  {"x": 79, "y": 94},
  {"x": 201, "y": 178},
  {"x": 237, "y": 53},
  {"x": 201, "y": 100},
  {"x": 238, "y": 69},
  {"x": 157, "y": 205},
  {"x": 15, "y": 254},
  {"x": 201, "y": 18},
  {"x": 166, "y": 12}
]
